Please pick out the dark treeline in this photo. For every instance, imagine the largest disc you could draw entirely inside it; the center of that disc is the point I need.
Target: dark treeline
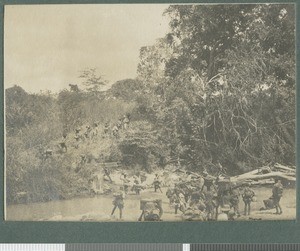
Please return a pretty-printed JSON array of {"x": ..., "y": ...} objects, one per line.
[{"x": 219, "y": 88}]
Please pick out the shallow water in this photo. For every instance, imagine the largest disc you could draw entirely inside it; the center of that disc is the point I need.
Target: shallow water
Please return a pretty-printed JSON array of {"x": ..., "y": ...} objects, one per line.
[{"x": 99, "y": 208}]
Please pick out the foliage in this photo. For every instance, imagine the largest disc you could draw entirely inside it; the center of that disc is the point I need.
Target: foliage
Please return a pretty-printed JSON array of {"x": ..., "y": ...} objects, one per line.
[
  {"x": 228, "y": 88},
  {"x": 127, "y": 89},
  {"x": 220, "y": 87},
  {"x": 141, "y": 145},
  {"x": 92, "y": 81}
]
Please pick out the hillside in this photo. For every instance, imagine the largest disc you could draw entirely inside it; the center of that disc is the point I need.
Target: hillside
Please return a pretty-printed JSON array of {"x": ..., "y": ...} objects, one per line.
[{"x": 206, "y": 94}]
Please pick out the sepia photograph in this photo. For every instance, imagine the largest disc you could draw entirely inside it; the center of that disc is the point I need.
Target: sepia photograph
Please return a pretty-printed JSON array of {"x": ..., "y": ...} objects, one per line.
[{"x": 150, "y": 112}]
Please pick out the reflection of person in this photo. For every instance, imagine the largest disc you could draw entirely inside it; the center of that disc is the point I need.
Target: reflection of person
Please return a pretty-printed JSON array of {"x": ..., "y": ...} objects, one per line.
[
  {"x": 247, "y": 195},
  {"x": 118, "y": 201},
  {"x": 277, "y": 194}
]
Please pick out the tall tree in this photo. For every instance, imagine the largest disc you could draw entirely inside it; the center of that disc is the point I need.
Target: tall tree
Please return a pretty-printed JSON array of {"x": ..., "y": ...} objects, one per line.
[
  {"x": 92, "y": 81},
  {"x": 233, "y": 79}
]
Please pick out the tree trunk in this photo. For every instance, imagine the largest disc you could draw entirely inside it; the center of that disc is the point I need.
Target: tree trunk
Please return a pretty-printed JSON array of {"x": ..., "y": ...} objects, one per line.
[
  {"x": 211, "y": 64},
  {"x": 290, "y": 139}
]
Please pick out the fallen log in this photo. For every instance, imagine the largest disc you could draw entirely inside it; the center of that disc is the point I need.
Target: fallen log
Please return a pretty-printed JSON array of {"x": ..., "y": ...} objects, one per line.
[
  {"x": 274, "y": 175},
  {"x": 245, "y": 175},
  {"x": 284, "y": 168},
  {"x": 262, "y": 182}
]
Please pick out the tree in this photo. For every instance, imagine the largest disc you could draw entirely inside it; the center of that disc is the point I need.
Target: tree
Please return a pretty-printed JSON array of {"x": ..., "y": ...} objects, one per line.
[
  {"x": 234, "y": 81},
  {"x": 144, "y": 144},
  {"x": 92, "y": 81},
  {"x": 127, "y": 89},
  {"x": 202, "y": 33}
]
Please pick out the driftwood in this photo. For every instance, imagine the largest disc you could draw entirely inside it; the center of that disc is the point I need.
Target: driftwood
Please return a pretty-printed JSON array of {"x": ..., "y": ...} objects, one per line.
[
  {"x": 245, "y": 175},
  {"x": 267, "y": 173},
  {"x": 284, "y": 168},
  {"x": 263, "y": 175},
  {"x": 281, "y": 175}
]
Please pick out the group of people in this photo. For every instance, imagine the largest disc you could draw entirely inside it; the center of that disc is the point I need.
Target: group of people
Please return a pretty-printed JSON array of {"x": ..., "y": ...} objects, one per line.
[
  {"x": 199, "y": 198},
  {"x": 216, "y": 199},
  {"x": 122, "y": 123},
  {"x": 136, "y": 185},
  {"x": 151, "y": 208},
  {"x": 88, "y": 132}
]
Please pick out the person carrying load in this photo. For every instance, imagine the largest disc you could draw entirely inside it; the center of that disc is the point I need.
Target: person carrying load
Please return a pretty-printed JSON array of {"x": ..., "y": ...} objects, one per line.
[
  {"x": 179, "y": 201},
  {"x": 136, "y": 185},
  {"x": 235, "y": 200},
  {"x": 211, "y": 204},
  {"x": 223, "y": 193},
  {"x": 208, "y": 181},
  {"x": 118, "y": 201},
  {"x": 277, "y": 192},
  {"x": 157, "y": 183},
  {"x": 247, "y": 196}
]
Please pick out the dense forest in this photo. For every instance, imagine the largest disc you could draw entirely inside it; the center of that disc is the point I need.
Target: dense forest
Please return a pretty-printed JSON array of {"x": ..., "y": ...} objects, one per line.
[{"x": 218, "y": 88}]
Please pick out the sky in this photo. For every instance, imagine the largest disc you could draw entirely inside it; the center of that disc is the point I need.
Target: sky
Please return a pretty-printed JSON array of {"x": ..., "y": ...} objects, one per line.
[{"x": 46, "y": 46}]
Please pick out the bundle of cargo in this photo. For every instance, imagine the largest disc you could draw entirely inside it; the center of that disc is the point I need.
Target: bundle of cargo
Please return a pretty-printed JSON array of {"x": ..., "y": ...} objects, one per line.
[
  {"x": 151, "y": 209},
  {"x": 144, "y": 202}
]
